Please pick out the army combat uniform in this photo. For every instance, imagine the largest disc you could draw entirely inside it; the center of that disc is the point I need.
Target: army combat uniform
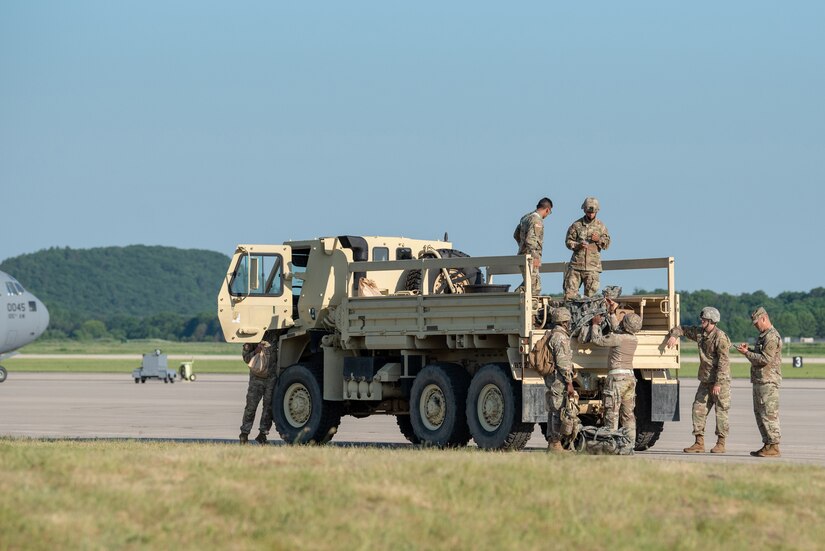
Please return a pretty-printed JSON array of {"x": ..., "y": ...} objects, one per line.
[
  {"x": 259, "y": 387},
  {"x": 529, "y": 235},
  {"x": 557, "y": 382},
  {"x": 714, "y": 368},
  {"x": 766, "y": 375},
  {"x": 620, "y": 387},
  {"x": 585, "y": 263}
]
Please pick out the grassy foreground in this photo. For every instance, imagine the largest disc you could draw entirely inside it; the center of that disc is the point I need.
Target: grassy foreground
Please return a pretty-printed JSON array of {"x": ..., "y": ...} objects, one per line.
[{"x": 126, "y": 494}]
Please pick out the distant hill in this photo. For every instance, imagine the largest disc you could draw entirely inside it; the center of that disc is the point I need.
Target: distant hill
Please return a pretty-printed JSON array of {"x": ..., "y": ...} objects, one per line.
[{"x": 133, "y": 281}]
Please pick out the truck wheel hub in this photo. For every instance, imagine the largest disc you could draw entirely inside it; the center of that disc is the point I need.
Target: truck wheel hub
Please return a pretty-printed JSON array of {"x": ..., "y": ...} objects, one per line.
[
  {"x": 297, "y": 405},
  {"x": 490, "y": 407},
  {"x": 433, "y": 407}
]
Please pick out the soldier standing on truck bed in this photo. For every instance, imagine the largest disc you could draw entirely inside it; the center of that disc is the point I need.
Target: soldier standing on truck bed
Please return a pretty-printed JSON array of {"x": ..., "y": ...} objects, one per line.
[
  {"x": 560, "y": 382},
  {"x": 620, "y": 387},
  {"x": 529, "y": 235},
  {"x": 262, "y": 378},
  {"x": 586, "y": 237},
  {"x": 766, "y": 376},
  {"x": 714, "y": 377}
]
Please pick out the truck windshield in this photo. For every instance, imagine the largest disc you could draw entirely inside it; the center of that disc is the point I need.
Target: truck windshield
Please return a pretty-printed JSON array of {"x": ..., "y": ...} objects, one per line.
[{"x": 258, "y": 275}]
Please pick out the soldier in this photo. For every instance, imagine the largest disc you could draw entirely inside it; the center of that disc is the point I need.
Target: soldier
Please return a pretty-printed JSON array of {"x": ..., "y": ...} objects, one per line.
[
  {"x": 620, "y": 387},
  {"x": 714, "y": 377},
  {"x": 560, "y": 382},
  {"x": 766, "y": 375},
  {"x": 586, "y": 237},
  {"x": 259, "y": 387},
  {"x": 529, "y": 235}
]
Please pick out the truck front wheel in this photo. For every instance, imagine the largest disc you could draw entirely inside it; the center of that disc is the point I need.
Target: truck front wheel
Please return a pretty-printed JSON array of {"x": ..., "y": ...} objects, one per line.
[
  {"x": 438, "y": 400},
  {"x": 494, "y": 411},
  {"x": 300, "y": 413}
]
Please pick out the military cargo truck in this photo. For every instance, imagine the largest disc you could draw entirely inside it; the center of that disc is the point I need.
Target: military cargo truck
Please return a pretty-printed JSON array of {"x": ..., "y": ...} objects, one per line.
[{"x": 419, "y": 330}]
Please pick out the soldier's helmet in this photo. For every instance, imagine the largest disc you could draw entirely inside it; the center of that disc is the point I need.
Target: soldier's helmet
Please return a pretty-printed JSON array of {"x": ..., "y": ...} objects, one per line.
[
  {"x": 591, "y": 204},
  {"x": 560, "y": 315},
  {"x": 632, "y": 323},
  {"x": 711, "y": 314}
]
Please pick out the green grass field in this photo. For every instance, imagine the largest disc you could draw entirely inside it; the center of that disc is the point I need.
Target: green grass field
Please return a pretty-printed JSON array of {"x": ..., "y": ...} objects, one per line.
[
  {"x": 108, "y": 346},
  {"x": 139, "y": 495}
]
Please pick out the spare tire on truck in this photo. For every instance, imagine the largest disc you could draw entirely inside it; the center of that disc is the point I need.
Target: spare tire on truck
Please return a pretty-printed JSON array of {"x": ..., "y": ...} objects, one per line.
[{"x": 459, "y": 277}]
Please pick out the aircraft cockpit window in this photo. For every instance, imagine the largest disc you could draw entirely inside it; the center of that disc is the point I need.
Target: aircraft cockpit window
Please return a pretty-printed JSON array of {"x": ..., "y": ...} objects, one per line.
[
  {"x": 11, "y": 290},
  {"x": 20, "y": 289}
]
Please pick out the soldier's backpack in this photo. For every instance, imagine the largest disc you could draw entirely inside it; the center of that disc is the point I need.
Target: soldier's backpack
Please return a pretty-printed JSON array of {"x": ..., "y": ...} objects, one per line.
[
  {"x": 603, "y": 441},
  {"x": 540, "y": 358}
]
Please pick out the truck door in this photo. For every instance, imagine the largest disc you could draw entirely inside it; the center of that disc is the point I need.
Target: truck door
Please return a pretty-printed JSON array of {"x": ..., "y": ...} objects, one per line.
[{"x": 256, "y": 294}]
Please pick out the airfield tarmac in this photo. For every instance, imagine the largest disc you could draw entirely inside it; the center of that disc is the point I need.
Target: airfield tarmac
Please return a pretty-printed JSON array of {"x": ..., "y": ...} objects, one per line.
[{"x": 65, "y": 405}]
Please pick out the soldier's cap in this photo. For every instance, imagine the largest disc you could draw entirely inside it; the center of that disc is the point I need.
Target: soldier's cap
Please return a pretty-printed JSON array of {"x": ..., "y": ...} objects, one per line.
[{"x": 759, "y": 312}]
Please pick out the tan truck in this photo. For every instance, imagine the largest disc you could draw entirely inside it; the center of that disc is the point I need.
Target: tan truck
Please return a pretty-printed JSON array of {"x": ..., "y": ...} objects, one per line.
[{"x": 416, "y": 329}]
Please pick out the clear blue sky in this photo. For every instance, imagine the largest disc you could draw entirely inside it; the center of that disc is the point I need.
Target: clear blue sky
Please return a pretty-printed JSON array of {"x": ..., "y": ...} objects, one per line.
[{"x": 700, "y": 127}]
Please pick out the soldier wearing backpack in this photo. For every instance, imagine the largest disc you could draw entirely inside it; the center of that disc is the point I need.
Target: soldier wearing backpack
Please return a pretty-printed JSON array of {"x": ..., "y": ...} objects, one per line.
[{"x": 560, "y": 381}]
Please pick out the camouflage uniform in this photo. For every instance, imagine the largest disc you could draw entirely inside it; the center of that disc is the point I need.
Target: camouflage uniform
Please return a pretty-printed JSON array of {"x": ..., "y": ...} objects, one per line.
[
  {"x": 620, "y": 387},
  {"x": 766, "y": 375},
  {"x": 556, "y": 395},
  {"x": 714, "y": 368},
  {"x": 260, "y": 387},
  {"x": 529, "y": 235},
  {"x": 585, "y": 263}
]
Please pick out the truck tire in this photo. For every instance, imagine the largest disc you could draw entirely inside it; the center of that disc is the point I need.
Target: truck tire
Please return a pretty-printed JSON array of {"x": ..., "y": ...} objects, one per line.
[
  {"x": 438, "y": 402},
  {"x": 3, "y": 374},
  {"x": 647, "y": 431},
  {"x": 459, "y": 276},
  {"x": 405, "y": 424},
  {"x": 300, "y": 413},
  {"x": 494, "y": 410}
]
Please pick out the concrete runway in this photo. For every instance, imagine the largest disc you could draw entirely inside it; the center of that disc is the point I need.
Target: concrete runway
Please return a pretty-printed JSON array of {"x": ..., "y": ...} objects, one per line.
[{"x": 62, "y": 405}]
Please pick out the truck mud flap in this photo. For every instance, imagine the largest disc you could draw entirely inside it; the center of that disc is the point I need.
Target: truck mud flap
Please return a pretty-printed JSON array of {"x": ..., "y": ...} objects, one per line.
[
  {"x": 664, "y": 400},
  {"x": 533, "y": 404}
]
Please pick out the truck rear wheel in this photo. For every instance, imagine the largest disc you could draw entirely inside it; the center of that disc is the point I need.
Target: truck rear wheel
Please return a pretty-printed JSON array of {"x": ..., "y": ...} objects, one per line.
[
  {"x": 438, "y": 401},
  {"x": 300, "y": 413},
  {"x": 647, "y": 431},
  {"x": 494, "y": 411}
]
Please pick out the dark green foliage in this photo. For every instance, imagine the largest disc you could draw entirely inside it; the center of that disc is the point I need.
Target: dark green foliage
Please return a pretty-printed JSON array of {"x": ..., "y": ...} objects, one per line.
[
  {"x": 794, "y": 314},
  {"x": 125, "y": 292}
]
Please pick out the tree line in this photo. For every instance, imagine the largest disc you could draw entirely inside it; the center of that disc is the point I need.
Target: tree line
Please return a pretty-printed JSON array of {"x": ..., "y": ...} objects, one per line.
[{"x": 794, "y": 314}]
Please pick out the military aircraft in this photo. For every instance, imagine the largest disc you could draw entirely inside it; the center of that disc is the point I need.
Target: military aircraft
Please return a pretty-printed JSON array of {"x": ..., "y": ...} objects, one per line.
[{"x": 23, "y": 318}]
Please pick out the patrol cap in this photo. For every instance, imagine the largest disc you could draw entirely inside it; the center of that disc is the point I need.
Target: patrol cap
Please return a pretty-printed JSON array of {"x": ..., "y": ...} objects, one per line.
[
  {"x": 591, "y": 204},
  {"x": 759, "y": 312}
]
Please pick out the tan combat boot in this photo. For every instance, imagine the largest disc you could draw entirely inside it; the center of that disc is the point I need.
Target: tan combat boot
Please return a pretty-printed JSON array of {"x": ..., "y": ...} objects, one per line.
[
  {"x": 771, "y": 450},
  {"x": 243, "y": 438},
  {"x": 720, "y": 445},
  {"x": 760, "y": 451},
  {"x": 698, "y": 446},
  {"x": 555, "y": 447}
]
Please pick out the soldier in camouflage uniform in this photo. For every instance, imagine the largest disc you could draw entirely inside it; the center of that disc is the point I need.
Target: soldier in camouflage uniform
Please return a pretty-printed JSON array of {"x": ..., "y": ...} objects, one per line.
[
  {"x": 258, "y": 388},
  {"x": 714, "y": 377},
  {"x": 560, "y": 382},
  {"x": 620, "y": 387},
  {"x": 586, "y": 237},
  {"x": 766, "y": 375},
  {"x": 529, "y": 235}
]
